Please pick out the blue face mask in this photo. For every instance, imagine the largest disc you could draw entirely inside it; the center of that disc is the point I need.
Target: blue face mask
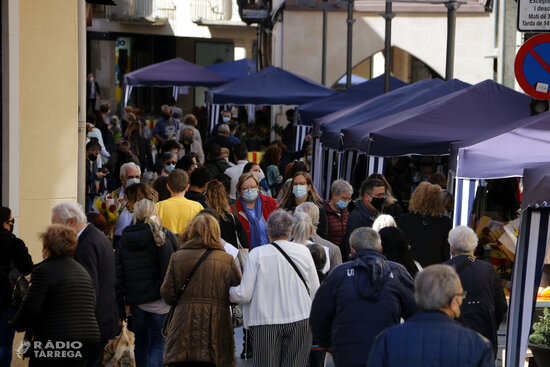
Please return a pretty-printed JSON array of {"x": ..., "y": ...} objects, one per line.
[
  {"x": 132, "y": 181},
  {"x": 341, "y": 205},
  {"x": 308, "y": 158},
  {"x": 225, "y": 119},
  {"x": 169, "y": 167},
  {"x": 250, "y": 195},
  {"x": 300, "y": 191}
]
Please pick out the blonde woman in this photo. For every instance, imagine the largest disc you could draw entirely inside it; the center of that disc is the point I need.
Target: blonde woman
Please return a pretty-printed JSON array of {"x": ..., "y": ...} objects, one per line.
[
  {"x": 141, "y": 261},
  {"x": 426, "y": 227},
  {"x": 200, "y": 332}
]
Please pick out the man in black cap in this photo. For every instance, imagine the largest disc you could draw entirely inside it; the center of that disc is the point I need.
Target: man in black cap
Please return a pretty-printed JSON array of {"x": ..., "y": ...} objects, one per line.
[{"x": 14, "y": 257}]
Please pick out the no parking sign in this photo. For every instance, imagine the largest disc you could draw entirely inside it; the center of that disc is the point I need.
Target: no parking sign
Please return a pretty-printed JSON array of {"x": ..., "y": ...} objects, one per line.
[{"x": 532, "y": 66}]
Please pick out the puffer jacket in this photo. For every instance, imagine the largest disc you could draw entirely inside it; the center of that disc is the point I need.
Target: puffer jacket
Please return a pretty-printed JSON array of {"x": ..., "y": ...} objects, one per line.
[
  {"x": 357, "y": 301},
  {"x": 60, "y": 303},
  {"x": 431, "y": 339},
  {"x": 201, "y": 329},
  {"x": 337, "y": 221},
  {"x": 140, "y": 265}
]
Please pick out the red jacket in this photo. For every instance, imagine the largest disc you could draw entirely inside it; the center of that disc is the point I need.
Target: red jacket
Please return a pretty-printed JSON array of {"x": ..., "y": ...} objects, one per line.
[
  {"x": 269, "y": 205},
  {"x": 336, "y": 224}
]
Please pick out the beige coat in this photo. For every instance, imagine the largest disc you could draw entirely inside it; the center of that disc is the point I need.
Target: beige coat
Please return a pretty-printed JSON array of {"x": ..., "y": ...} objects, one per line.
[{"x": 201, "y": 327}]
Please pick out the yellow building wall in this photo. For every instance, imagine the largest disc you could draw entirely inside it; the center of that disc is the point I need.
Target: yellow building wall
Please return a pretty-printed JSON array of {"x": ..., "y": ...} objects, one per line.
[{"x": 48, "y": 88}]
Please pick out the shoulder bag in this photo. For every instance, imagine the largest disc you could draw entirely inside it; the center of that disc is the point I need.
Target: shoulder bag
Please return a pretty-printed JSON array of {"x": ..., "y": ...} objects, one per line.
[
  {"x": 293, "y": 265},
  {"x": 180, "y": 293}
]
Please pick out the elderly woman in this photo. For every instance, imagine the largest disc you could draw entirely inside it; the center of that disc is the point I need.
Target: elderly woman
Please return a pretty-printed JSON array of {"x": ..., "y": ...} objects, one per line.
[
  {"x": 302, "y": 191},
  {"x": 336, "y": 209},
  {"x": 383, "y": 221},
  {"x": 306, "y": 233},
  {"x": 60, "y": 303},
  {"x": 484, "y": 307},
  {"x": 200, "y": 332},
  {"x": 253, "y": 209},
  {"x": 425, "y": 226},
  {"x": 278, "y": 284},
  {"x": 169, "y": 161},
  {"x": 141, "y": 261}
]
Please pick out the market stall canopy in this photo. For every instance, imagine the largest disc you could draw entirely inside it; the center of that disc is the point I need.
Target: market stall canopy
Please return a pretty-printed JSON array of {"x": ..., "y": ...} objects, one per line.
[
  {"x": 482, "y": 110},
  {"x": 234, "y": 70},
  {"x": 536, "y": 186},
  {"x": 270, "y": 86},
  {"x": 507, "y": 154},
  {"x": 344, "y": 130},
  {"x": 173, "y": 73},
  {"x": 336, "y": 102}
]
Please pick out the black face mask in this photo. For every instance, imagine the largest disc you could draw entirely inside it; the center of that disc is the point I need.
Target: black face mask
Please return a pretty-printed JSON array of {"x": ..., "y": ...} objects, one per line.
[
  {"x": 92, "y": 157},
  {"x": 377, "y": 203},
  {"x": 188, "y": 139},
  {"x": 166, "y": 116}
]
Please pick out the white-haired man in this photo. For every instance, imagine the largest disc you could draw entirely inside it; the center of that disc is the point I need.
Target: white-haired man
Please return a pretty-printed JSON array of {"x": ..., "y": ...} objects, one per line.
[
  {"x": 130, "y": 174},
  {"x": 485, "y": 306},
  {"x": 95, "y": 253},
  {"x": 359, "y": 299},
  {"x": 432, "y": 337}
]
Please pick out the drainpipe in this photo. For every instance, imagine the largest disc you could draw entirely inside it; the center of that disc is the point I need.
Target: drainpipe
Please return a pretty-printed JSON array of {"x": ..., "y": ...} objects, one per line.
[{"x": 81, "y": 178}]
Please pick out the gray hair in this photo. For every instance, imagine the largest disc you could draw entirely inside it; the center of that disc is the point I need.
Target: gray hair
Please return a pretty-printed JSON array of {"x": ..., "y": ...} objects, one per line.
[
  {"x": 340, "y": 187},
  {"x": 145, "y": 210},
  {"x": 435, "y": 287},
  {"x": 169, "y": 155},
  {"x": 125, "y": 167},
  {"x": 462, "y": 239},
  {"x": 223, "y": 129},
  {"x": 279, "y": 225},
  {"x": 310, "y": 209},
  {"x": 70, "y": 209},
  {"x": 382, "y": 221},
  {"x": 365, "y": 238},
  {"x": 303, "y": 228}
]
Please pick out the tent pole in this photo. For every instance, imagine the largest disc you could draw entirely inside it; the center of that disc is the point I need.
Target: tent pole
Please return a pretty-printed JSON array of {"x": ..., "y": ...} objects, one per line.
[{"x": 349, "y": 22}]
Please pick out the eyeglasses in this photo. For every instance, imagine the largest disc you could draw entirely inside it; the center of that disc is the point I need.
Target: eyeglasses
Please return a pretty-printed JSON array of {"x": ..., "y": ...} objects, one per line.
[
  {"x": 463, "y": 294},
  {"x": 171, "y": 162},
  {"x": 379, "y": 196}
]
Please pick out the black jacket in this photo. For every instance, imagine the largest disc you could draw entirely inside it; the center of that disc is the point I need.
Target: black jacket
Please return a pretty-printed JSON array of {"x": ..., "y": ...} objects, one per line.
[
  {"x": 12, "y": 252},
  {"x": 140, "y": 265},
  {"x": 361, "y": 216},
  {"x": 199, "y": 197},
  {"x": 484, "y": 307},
  {"x": 95, "y": 254},
  {"x": 216, "y": 166},
  {"x": 427, "y": 237},
  {"x": 60, "y": 303},
  {"x": 231, "y": 228}
]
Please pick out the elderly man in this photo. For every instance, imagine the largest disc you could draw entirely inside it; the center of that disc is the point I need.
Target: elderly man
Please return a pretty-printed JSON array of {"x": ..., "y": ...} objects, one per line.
[
  {"x": 278, "y": 284},
  {"x": 373, "y": 193},
  {"x": 431, "y": 337},
  {"x": 334, "y": 257},
  {"x": 485, "y": 306},
  {"x": 359, "y": 299},
  {"x": 130, "y": 174},
  {"x": 95, "y": 254}
]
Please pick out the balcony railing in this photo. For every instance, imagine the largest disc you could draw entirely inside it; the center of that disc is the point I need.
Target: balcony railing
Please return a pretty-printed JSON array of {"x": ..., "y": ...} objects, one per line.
[
  {"x": 143, "y": 10},
  {"x": 225, "y": 11}
]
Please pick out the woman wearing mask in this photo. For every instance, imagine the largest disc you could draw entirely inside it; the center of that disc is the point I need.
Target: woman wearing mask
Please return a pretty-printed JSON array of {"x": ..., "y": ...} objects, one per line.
[
  {"x": 425, "y": 226},
  {"x": 390, "y": 206},
  {"x": 337, "y": 210},
  {"x": 169, "y": 161},
  {"x": 253, "y": 209},
  {"x": 200, "y": 332},
  {"x": 255, "y": 169},
  {"x": 302, "y": 191},
  {"x": 141, "y": 261},
  {"x": 231, "y": 228}
]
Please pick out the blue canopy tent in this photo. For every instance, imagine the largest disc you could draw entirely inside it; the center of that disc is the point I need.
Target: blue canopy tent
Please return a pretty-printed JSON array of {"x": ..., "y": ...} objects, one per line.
[
  {"x": 234, "y": 70},
  {"x": 171, "y": 73},
  {"x": 306, "y": 113},
  {"x": 333, "y": 129},
  {"x": 270, "y": 86}
]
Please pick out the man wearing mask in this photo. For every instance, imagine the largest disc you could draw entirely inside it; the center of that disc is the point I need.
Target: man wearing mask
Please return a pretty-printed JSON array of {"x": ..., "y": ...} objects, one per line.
[
  {"x": 92, "y": 93},
  {"x": 190, "y": 144},
  {"x": 166, "y": 127},
  {"x": 14, "y": 255},
  {"x": 373, "y": 193},
  {"x": 130, "y": 174}
]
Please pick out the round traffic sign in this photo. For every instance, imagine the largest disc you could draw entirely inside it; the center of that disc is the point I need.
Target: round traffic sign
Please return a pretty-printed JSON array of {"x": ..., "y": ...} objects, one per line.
[{"x": 532, "y": 66}]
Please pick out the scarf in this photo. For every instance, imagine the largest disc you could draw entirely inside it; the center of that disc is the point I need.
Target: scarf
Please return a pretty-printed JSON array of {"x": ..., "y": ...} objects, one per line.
[{"x": 255, "y": 239}]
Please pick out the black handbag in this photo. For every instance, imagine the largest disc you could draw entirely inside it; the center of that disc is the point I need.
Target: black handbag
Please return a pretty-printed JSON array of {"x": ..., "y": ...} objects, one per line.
[{"x": 176, "y": 299}]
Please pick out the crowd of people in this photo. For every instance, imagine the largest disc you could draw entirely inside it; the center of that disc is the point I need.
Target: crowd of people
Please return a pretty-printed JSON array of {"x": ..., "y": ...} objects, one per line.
[{"x": 198, "y": 234}]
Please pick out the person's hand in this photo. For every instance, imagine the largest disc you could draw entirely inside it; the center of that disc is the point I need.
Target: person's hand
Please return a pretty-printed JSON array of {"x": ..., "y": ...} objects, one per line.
[{"x": 100, "y": 175}]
